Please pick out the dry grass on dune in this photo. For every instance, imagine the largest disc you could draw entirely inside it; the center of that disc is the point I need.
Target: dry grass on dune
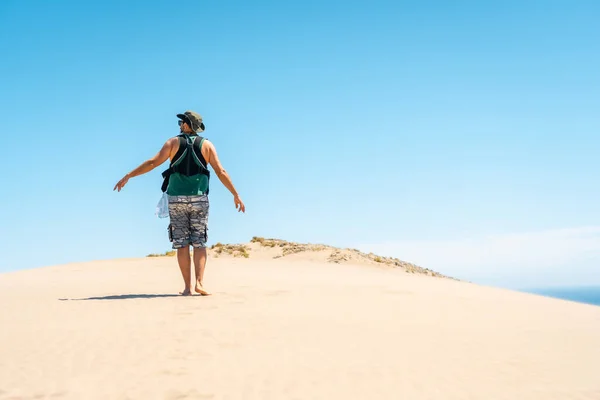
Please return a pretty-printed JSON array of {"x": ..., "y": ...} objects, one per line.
[{"x": 282, "y": 248}]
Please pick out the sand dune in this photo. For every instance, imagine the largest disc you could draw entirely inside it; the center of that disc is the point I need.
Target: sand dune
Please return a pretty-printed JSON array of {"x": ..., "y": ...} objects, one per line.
[{"x": 304, "y": 325}]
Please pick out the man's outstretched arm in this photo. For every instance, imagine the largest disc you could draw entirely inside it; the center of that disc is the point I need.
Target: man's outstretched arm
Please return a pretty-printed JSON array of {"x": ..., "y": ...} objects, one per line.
[
  {"x": 147, "y": 165},
  {"x": 224, "y": 177}
]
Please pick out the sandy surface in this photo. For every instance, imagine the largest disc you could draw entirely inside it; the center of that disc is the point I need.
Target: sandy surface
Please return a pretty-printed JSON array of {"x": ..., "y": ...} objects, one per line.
[{"x": 290, "y": 328}]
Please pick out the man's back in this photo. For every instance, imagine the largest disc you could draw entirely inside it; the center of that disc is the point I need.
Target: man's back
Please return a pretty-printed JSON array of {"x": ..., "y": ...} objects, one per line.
[
  {"x": 174, "y": 147},
  {"x": 188, "y": 173}
]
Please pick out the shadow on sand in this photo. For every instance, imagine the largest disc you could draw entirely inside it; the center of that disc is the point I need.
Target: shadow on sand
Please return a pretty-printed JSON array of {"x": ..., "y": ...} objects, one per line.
[{"x": 127, "y": 296}]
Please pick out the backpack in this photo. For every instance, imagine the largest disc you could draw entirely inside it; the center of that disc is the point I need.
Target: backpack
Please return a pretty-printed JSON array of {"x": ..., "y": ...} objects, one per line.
[{"x": 188, "y": 160}]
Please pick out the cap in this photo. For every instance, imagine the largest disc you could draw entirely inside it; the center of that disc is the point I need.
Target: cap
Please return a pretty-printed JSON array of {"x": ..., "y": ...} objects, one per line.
[{"x": 194, "y": 119}]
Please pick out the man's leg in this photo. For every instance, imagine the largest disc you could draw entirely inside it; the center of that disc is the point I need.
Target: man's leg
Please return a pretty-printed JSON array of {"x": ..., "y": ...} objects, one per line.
[
  {"x": 183, "y": 259},
  {"x": 199, "y": 265},
  {"x": 180, "y": 236},
  {"x": 198, "y": 223}
]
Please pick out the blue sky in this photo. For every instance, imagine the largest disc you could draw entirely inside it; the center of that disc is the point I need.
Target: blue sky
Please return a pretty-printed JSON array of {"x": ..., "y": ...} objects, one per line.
[{"x": 462, "y": 136}]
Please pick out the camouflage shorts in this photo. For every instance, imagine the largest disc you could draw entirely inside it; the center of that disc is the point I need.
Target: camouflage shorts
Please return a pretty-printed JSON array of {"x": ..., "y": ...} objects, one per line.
[{"x": 189, "y": 220}]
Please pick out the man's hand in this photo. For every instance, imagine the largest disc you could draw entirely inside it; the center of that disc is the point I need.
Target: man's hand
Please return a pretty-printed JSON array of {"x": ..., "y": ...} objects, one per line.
[
  {"x": 121, "y": 183},
  {"x": 239, "y": 204}
]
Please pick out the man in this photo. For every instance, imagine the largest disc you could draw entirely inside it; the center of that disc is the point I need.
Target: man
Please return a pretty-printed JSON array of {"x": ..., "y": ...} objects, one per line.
[{"x": 186, "y": 184}]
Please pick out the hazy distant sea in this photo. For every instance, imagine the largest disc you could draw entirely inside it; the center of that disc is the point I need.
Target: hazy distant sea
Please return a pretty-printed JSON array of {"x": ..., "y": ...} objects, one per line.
[{"x": 588, "y": 295}]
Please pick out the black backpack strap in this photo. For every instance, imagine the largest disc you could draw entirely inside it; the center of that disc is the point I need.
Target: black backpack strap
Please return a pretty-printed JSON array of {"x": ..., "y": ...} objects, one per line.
[
  {"x": 181, "y": 149},
  {"x": 203, "y": 164},
  {"x": 166, "y": 175},
  {"x": 198, "y": 151}
]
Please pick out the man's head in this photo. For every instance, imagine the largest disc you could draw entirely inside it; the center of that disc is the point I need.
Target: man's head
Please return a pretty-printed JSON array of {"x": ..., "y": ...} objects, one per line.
[{"x": 190, "y": 122}]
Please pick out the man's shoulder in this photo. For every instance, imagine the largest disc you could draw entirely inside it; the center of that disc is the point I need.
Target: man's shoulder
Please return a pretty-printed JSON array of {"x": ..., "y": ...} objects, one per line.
[{"x": 206, "y": 142}]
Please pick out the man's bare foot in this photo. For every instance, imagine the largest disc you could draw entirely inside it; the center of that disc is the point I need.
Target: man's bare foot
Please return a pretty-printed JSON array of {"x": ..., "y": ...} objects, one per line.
[
  {"x": 201, "y": 290},
  {"x": 186, "y": 292}
]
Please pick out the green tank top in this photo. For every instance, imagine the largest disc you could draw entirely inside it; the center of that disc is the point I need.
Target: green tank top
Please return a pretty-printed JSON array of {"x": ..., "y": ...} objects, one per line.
[{"x": 194, "y": 184}]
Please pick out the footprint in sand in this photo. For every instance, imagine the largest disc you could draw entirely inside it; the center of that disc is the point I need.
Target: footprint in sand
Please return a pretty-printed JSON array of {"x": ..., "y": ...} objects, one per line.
[
  {"x": 192, "y": 394},
  {"x": 277, "y": 293}
]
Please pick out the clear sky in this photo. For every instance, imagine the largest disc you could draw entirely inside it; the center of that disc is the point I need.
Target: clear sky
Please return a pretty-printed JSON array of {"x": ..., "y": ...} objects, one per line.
[{"x": 463, "y": 136}]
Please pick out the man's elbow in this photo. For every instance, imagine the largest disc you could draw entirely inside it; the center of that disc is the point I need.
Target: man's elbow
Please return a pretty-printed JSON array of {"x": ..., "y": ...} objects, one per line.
[
  {"x": 151, "y": 164},
  {"x": 220, "y": 172}
]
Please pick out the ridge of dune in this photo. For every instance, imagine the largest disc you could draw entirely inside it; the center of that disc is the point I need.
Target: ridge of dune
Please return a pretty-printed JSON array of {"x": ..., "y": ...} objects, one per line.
[{"x": 265, "y": 248}]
